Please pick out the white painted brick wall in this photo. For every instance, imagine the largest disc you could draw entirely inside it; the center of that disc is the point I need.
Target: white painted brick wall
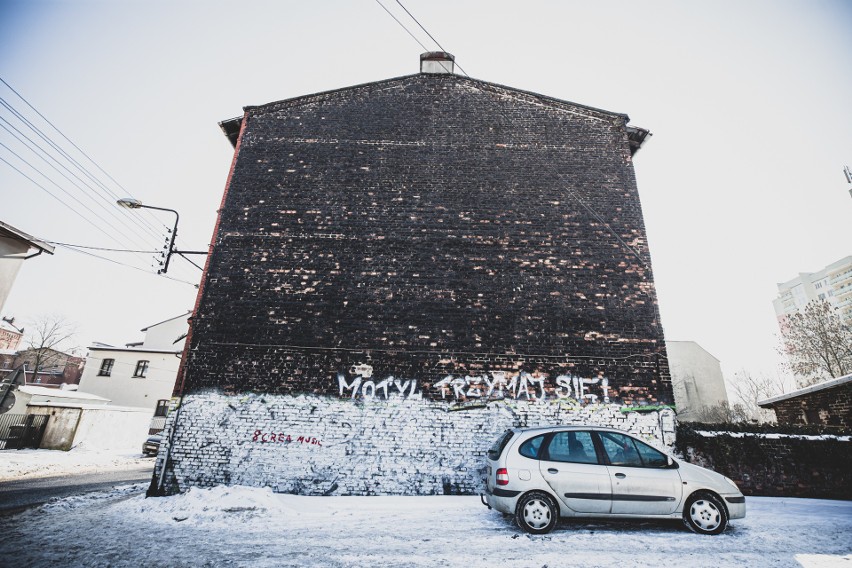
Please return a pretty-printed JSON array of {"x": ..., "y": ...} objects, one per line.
[{"x": 355, "y": 447}]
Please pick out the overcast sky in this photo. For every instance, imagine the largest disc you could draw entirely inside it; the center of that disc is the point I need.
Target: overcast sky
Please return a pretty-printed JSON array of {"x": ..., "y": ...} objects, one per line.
[{"x": 749, "y": 103}]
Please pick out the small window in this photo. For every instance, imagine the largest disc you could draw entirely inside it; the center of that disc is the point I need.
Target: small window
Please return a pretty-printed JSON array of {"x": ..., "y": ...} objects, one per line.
[
  {"x": 141, "y": 369},
  {"x": 531, "y": 447},
  {"x": 572, "y": 447},
  {"x": 162, "y": 408},
  {"x": 106, "y": 367}
]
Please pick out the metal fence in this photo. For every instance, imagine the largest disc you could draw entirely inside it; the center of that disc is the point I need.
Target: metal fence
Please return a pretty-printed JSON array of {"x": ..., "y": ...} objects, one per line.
[{"x": 18, "y": 431}]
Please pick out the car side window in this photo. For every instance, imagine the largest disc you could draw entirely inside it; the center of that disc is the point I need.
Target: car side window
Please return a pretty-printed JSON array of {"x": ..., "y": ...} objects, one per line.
[
  {"x": 572, "y": 447},
  {"x": 620, "y": 449},
  {"x": 650, "y": 456},
  {"x": 532, "y": 447}
]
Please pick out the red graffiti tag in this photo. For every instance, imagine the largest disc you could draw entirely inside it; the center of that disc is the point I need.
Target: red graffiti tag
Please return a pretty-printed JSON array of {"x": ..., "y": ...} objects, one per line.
[{"x": 280, "y": 437}]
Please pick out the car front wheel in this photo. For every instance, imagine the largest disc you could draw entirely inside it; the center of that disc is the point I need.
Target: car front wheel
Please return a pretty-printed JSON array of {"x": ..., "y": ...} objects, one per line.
[
  {"x": 536, "y": 513},
  {"x": 704, "y": 513}
]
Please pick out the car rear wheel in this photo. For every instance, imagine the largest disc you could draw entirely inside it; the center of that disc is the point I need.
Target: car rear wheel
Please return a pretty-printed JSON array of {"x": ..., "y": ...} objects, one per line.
[
  {"x": 536, "y": 513},
  {"x": 705, "y": 513}
]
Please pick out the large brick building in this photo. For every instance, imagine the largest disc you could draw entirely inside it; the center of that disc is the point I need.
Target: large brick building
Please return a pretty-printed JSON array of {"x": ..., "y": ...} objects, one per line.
[{"x": 403, "y": 269}]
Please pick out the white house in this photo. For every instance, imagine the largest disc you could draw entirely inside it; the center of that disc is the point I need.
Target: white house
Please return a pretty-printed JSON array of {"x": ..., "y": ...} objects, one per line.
[
  {"x": 15, "y": 247},
  {"x": 140, "y": 374}
]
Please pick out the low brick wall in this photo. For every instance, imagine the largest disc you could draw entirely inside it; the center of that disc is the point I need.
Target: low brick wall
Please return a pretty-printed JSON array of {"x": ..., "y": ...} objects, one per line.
[
  {"x": 315, "y": 445},
  {"x": 832, "y": 406},
  {"x": 773, "y": 463}
]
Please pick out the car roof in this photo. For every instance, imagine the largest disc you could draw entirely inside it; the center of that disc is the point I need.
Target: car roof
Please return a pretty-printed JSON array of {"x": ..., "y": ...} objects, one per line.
[{"x": 563, "y": 427}]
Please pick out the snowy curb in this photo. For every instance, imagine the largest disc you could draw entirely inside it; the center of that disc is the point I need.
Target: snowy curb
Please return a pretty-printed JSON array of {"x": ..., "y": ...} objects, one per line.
[{"x": 709, "y": 434}]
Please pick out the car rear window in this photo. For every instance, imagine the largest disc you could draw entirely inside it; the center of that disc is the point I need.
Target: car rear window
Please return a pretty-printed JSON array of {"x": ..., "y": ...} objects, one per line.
[
  {"x": 499, "y": 444},
  {"x": 531, "y": 447}
]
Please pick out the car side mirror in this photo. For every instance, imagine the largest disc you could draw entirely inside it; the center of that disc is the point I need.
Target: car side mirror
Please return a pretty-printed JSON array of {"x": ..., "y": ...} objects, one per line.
[{"x": 670, "y": 463}]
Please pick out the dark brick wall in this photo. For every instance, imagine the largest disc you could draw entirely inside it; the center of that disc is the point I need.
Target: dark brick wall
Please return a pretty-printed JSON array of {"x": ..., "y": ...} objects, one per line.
[
  {"x": 831, "y": 407},
  {"x": 429, "y": 225},
  {"x": 773, "y": 464}
]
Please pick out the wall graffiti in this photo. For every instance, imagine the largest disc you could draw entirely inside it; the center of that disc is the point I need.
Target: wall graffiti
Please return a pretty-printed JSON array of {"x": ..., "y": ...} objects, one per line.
[
  {"x": 494, "y": 385},
  {"x": 282, "y": 438}
]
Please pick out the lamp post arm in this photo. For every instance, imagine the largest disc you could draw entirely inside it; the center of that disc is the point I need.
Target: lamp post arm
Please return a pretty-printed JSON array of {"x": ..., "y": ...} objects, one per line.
[
  {"x": 165, "y": 267},
  {"x": 136, "y": 204}
]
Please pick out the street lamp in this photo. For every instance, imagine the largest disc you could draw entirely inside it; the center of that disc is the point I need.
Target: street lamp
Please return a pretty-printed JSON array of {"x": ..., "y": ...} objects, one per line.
[{"x": 131, "y": 203}]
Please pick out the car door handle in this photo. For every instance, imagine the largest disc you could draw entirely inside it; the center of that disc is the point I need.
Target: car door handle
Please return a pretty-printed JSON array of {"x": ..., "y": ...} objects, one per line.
[
  {"x": 551, "y": 470},
  {"x": 620, "y": 475}
]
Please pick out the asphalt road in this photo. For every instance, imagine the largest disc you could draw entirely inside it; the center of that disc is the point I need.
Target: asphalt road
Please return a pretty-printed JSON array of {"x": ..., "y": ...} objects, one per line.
[{"x": 22, "y": 494}]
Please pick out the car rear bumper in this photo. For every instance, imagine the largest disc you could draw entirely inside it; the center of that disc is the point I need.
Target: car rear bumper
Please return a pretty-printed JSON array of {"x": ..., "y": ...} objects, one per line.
[{"x": 503, "y": 500}]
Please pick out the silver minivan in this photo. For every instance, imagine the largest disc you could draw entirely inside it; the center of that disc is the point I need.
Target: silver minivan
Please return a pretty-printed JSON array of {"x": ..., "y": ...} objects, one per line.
[{"x": 541, "y": 474}]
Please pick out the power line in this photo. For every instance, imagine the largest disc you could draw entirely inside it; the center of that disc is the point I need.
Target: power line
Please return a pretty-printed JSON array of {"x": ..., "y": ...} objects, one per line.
[
  {"x": 108, "y": 210},
  {"x": 595, "y": 214},
  {"x": 77, "y": 250},
  {"x": 59, "y": 199},
  {"x": 428, "y": 34},
  {"x": 573, "y": 194},
  {"x": 402, "y": 25},
  {"x": 20, "y": 96},
  {"x": 99, "y": 248},
  {"x": 67, "y": 193},
  {"x": 62, "y": 153},
  {"x": 95, "y": 193},
  {"x": 44, "y": 154},
  {"x": 421, "y": 351}
]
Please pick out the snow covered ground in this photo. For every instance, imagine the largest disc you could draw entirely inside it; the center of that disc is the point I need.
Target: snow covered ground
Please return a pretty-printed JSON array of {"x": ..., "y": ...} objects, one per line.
[
  {"x": 238, "y": 526},
  {"x": 27, "y": 464}
]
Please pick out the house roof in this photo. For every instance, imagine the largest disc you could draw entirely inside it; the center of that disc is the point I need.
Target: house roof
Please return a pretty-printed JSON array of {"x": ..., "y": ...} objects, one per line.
[
  {"x": 6, "y": 326},
  {"x": 166, "y": 321},
  {"x": 59, "y": 393},
  {"x": 829, "y": 384},
  {"x": 231, "y": 127},
  {"x": 133, "y": 349},
  {"x": 86, "y": 406},
  {"x": 11, "y": 232}
]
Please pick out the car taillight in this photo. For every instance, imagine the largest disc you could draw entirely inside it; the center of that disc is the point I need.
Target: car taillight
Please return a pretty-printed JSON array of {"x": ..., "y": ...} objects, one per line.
[{"x": 502, "y": 476}]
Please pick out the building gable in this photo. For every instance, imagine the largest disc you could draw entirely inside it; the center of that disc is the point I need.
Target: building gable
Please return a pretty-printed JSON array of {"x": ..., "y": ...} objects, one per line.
[{"x": 416, "y": 263}]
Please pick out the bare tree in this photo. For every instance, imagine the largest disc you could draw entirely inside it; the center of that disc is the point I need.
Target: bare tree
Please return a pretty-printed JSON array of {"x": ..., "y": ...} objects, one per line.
[
  {"x": 749, "y": 389},
  {"x": 817, "y": 343},
  {"x": 721, "y": 413},
  {"x": 47, "y": 336}
]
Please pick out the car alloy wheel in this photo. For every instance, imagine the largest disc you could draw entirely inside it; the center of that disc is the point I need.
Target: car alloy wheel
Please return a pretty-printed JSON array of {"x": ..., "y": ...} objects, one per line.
[
  {"x": 536, "y": 513},
  {"x": 705, "y": 514}
]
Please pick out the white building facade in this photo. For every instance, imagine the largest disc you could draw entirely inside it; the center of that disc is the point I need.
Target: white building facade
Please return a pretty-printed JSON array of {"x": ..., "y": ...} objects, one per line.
[
  {"x": 832, "y": 284},
  {"x": 697, "y": 380},
  {"x": 142, "y": 374},
  {"x": 16, "y": 247}
]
